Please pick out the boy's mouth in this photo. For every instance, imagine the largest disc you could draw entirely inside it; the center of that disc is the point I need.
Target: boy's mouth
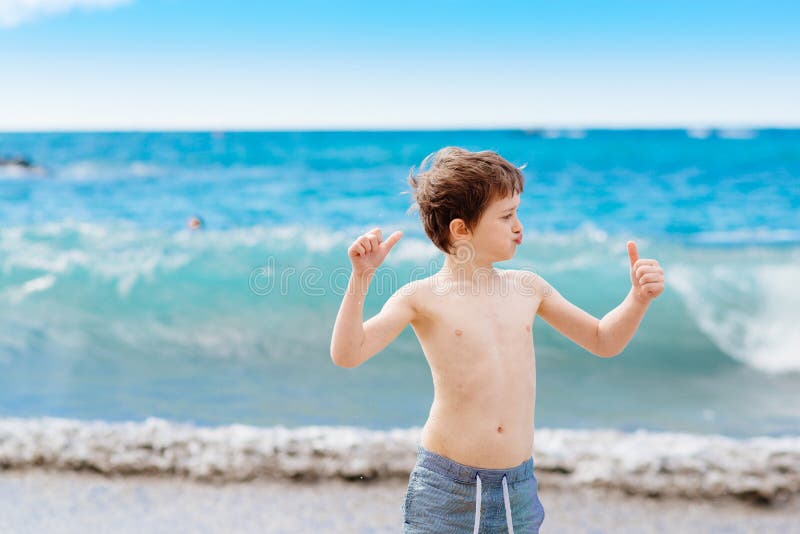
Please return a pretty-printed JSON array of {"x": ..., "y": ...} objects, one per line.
[{"x": 518, "y": 240}]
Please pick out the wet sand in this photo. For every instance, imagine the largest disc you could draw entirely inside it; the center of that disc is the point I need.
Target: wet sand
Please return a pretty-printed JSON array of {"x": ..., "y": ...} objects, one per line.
[{"x": 43, "y": 501}]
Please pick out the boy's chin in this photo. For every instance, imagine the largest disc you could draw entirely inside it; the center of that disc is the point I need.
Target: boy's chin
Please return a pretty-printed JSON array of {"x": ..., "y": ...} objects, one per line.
[{"x": 505, "y": 257}]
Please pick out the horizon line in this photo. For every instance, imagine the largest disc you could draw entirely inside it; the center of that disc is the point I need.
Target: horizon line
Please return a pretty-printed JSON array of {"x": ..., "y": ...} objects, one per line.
[{"x": 310, "y": 129}]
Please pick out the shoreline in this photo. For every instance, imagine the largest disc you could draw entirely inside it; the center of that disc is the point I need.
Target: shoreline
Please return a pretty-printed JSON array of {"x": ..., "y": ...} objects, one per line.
[
  {"x": 640, "y": 462},
  {"x": 41, "y": 500}
]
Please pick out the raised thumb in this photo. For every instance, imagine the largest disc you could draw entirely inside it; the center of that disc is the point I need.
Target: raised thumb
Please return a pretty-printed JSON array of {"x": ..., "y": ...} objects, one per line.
[
  {"x": 392, "y": 239},
  {"x": 633, "y": 254}
]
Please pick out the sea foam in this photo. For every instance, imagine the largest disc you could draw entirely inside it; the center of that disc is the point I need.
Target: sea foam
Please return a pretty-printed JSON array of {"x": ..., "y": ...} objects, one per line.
[{"x": 647, "y": 463}]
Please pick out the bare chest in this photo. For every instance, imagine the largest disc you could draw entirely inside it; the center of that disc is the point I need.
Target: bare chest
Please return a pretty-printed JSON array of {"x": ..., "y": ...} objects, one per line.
[{"x": 468, "y": 339}]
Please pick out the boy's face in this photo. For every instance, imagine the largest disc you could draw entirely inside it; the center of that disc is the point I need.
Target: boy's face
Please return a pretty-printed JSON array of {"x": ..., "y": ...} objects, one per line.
[{"x": 499, "y": 231}]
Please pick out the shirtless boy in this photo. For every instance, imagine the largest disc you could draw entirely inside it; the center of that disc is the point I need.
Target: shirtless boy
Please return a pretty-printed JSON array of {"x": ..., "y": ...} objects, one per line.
[{"x": 474, "y": 322}]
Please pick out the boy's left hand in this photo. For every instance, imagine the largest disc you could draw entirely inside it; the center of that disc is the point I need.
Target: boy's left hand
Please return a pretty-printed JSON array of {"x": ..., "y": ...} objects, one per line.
[{"x": 647, "y": 276}]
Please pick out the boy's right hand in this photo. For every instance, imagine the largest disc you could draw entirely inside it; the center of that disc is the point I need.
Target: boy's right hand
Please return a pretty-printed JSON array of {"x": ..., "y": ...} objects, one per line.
[{"x": 368, "y": 251}]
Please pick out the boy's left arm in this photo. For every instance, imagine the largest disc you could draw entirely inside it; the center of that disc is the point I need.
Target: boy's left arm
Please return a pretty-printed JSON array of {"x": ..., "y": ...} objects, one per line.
[
  {"x": 618, "y": 326},
  {"x": 608, "y": 336}
]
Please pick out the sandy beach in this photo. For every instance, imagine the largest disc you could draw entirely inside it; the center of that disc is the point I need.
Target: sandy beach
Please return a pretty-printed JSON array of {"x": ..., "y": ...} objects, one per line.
[
  {"x": 46, "y": 501},
  {"x": 157, "y": 476}
]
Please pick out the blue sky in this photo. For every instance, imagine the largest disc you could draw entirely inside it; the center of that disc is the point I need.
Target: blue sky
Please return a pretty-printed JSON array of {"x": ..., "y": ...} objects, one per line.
[{"x": 146, "y": 64}]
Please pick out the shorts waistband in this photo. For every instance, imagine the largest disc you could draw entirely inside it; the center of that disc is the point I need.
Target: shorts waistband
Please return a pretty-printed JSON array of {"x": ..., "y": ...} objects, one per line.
[{"x": 466, "y": 473}]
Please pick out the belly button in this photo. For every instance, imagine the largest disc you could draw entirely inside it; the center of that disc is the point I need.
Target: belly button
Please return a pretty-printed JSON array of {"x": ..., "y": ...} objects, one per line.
[
  {"x": 459, "y": 332},
  {"x": 499, "y": 428}
]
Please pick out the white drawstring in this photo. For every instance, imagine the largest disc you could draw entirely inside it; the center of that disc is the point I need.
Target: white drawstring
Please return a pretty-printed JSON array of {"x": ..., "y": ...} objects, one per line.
[
  {"x": 506, "y": 502},
  {"x": 477, "y": 505}
]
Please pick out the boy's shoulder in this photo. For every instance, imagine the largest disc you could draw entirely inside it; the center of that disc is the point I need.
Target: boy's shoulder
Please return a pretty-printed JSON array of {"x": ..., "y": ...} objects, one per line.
[
  {"x": 414, "y": 287},
  {"x": 523, "y": 276},
  {"x": 417, "y": 293},
  {"x": 425, "y": 297},
  {"x": 434, "y": 286},
  {"x": 524, "y": 281}
]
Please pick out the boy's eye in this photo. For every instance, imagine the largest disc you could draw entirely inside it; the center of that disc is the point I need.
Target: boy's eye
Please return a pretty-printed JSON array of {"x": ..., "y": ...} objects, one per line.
[{"x": 507, "y": 216}]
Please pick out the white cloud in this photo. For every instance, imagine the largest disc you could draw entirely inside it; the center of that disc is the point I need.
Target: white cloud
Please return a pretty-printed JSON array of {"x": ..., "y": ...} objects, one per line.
[{"x": 15, "y": 12}]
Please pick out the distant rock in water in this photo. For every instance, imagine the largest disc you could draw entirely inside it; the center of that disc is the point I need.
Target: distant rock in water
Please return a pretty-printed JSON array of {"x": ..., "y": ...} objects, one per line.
[{"x": 19, "y": 165}]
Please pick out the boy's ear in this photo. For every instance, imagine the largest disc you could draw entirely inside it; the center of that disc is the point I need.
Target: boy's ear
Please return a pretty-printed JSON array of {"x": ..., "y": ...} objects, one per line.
[{"x": 459, "y": 230}]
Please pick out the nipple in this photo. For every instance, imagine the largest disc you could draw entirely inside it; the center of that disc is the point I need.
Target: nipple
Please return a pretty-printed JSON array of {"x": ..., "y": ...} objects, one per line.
[
  {"x": 459, "y": 332},
  {"x": 528, "y": 327}
]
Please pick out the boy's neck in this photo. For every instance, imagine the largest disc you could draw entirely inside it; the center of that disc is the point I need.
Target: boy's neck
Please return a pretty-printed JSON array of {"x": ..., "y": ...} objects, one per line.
[{"x": 469, "y": 271}]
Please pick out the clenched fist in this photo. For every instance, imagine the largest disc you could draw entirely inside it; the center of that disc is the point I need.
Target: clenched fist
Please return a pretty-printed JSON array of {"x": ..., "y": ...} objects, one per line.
[
  {"x": 647, "y": 276},
  {"x": 369, "y": 250}
]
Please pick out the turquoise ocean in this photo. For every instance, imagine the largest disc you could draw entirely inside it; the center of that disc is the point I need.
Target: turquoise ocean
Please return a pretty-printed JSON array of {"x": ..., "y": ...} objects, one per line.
[{"x": 112, "y": 310}]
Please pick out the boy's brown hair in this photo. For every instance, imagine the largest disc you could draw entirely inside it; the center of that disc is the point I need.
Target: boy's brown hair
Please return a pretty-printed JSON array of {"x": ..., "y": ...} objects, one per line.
[{"x": 460, "y": 185}]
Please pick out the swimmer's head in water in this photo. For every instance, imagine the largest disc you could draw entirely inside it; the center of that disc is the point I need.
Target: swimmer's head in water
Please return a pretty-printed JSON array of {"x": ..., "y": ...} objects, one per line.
[{"x": 194, "y": 223}]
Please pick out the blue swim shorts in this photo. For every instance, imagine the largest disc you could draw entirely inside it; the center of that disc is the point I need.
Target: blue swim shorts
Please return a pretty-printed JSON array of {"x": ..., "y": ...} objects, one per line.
[{"x": 444, "y": 497}]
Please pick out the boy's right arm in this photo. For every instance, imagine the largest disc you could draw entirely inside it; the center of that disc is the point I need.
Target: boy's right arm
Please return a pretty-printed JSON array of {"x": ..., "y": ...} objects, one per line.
[{"x": 354, "y": 341}]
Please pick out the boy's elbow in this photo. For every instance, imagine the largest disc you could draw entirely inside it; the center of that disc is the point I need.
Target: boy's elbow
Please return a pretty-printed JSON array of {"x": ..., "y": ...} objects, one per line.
[
  {"x": 606, "y": 353},
  {"x": 347, "y": 356},
  {"x": 602, "y": 348},
  {"x": 340, "y": 360},
  {"x": 340, "y": 363},
  {"x": 336, "y": 356},
  {"x": 603, "y": 351},
  {"x": 345, "y": 360}
]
